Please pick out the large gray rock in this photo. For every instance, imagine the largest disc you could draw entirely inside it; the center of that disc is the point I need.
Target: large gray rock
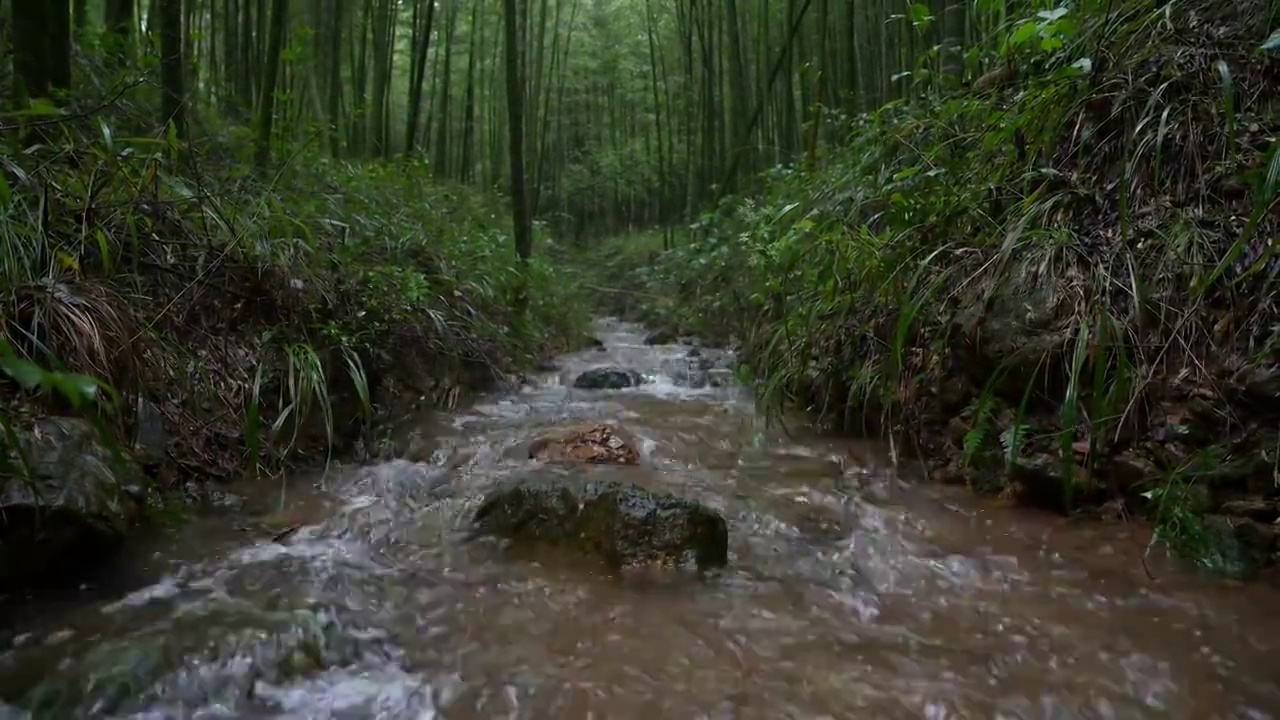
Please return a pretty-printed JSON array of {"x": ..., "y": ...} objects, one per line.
[
  {"x": 620, "y": 523},
  {"x": 607, "y": 378},
  {"x": 72, "y": 509}
]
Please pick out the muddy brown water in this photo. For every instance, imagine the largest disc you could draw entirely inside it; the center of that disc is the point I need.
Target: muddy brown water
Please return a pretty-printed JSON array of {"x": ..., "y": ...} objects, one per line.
[{"x": 851, "y": 593}]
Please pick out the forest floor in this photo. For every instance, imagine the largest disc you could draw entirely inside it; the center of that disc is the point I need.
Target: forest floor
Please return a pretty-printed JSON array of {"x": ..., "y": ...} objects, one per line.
[
  {"x": 245, "y": 323},
  {"x": 1059, "y": 288}
]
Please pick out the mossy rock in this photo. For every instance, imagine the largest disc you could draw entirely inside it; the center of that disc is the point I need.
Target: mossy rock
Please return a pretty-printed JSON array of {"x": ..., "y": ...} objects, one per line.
[
  {"x": 620, "y": 523},
  {"x": 608, "y": 378},
  {"x": 73, "y": 507}
]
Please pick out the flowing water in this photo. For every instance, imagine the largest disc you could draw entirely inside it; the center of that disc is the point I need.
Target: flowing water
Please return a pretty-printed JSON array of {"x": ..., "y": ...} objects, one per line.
[{"x": 850, "y": 593}]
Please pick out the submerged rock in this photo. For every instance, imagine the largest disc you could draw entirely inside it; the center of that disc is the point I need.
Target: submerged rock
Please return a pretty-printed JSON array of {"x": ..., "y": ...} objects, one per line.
[
  {"x": 227, "y": 653},
  {"x": 599, "y": 444},
  {"x": 620, "y": 523},
  {"x": 698, "y": 369},
  {"x": 608, "y": 378},
  {"x": 71, "y": 509},
  {"x": 684, "y": 374}
]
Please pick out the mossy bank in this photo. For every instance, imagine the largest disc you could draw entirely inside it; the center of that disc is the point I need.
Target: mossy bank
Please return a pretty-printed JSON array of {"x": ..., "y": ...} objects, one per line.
[{"x": 1057, "y": 285}]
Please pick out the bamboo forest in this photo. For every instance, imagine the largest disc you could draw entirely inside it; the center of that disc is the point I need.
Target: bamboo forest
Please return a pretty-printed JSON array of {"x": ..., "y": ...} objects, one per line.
[{"x": 605, "y": 358}]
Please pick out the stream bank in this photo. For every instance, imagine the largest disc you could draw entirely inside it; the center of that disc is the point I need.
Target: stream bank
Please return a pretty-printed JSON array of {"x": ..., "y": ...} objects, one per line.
[
  {"x": 849, "y": 591},
  {"x": 1034, "y": 282}
]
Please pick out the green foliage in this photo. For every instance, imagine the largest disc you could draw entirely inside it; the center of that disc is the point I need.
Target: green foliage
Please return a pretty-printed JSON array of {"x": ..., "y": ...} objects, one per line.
[
  {"x": 81, "y": 392},
  {"x": 240, "y": 303},
  {"x": 1052, "y": 263}
]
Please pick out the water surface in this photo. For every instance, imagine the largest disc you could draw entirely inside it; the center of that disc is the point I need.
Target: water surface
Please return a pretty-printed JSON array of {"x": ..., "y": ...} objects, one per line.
[{"x": 851, "y": 593}]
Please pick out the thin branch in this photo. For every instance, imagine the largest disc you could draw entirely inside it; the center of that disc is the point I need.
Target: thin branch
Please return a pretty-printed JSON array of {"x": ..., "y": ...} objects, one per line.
[{"x": 76, "y": 116}]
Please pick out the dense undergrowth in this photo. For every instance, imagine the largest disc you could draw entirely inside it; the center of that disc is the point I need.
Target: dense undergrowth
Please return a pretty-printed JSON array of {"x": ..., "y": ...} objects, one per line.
[
  {"x": 1060, "y": 285},
  {"x": 263, "y": 316}
]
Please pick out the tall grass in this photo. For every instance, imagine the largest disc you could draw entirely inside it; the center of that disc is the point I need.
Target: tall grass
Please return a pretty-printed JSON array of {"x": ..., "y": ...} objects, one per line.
[{"x": 240, "y": 304}]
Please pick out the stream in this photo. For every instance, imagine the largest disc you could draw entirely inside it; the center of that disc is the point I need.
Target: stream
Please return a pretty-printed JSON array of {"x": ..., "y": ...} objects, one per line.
[{"x": 851, "y": 592}]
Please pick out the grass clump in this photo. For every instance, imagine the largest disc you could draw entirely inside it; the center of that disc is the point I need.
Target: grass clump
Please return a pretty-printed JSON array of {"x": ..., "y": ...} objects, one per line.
[
  {"x": 1060, "y": 287},
  {"x": 264, "y": 316}
]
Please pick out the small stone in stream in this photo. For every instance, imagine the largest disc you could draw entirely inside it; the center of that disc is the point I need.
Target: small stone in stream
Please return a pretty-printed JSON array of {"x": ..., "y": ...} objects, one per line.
[
  {"x": 596, "y": 444},
  {"x": 607, "y": 378},
  {"x": 715, "y": 360},
  {"x": 660, "y": 337},
  {"x": 620, "y": 523},
  {"x": 683, "y": 375},
  {"x": 694, "y": 352},
  {"x": 720, "y": 377}
]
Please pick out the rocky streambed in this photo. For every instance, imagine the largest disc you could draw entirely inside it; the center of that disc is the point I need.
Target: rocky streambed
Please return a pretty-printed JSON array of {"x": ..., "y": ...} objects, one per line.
[{"x": 623, "y": 536}]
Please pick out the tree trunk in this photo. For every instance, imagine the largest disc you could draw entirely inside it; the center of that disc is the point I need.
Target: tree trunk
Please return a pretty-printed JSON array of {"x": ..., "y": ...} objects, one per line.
[
  {"x": 515, "y": 132},
  {"x": 172, "y": 69},
  {"x": 271, "y": 74},
  {"x": 31, "y": 33}
]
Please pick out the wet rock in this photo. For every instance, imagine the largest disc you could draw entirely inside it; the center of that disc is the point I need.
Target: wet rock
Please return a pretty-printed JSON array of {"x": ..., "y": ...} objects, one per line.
[
  {"x": 1194, "y": 498},
  {"x": 1013, "y": 333},
  {"x": 1247, "y": 470},
  {"x": 546, "y": 365},
  {"x": 685, "y": 374},
  {"x": 664, "y": 336},
  {"x": 956, "y": 431},
  {"x": 72, "y": 509},
  {"x": 592, "y": 341},
  {"x": 607, "y": 378},
  {"x": 1115, "y": 510},
  {"x": 694, "y": 352},
  {"x": 715, "y": 360},
  {"x": 223, "y": 653},
  {"x": 620, "y": 523},
  {"x": 211, "y": 498},
  {"x": 596, "y": 444},
  {"x": 151, "y": 439},
  {"x": 1043, "y": 482},
  {"x": 950, "y": 474},
  {"x": 707, "y": 367},
  {"x": 1263, "y": 511},
  {"x": 1131, "y": 470},
  {"x": 1244, "y": 546},
  {"x": 514, "y": 383},
  {"x": 720, "y": 377}
]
